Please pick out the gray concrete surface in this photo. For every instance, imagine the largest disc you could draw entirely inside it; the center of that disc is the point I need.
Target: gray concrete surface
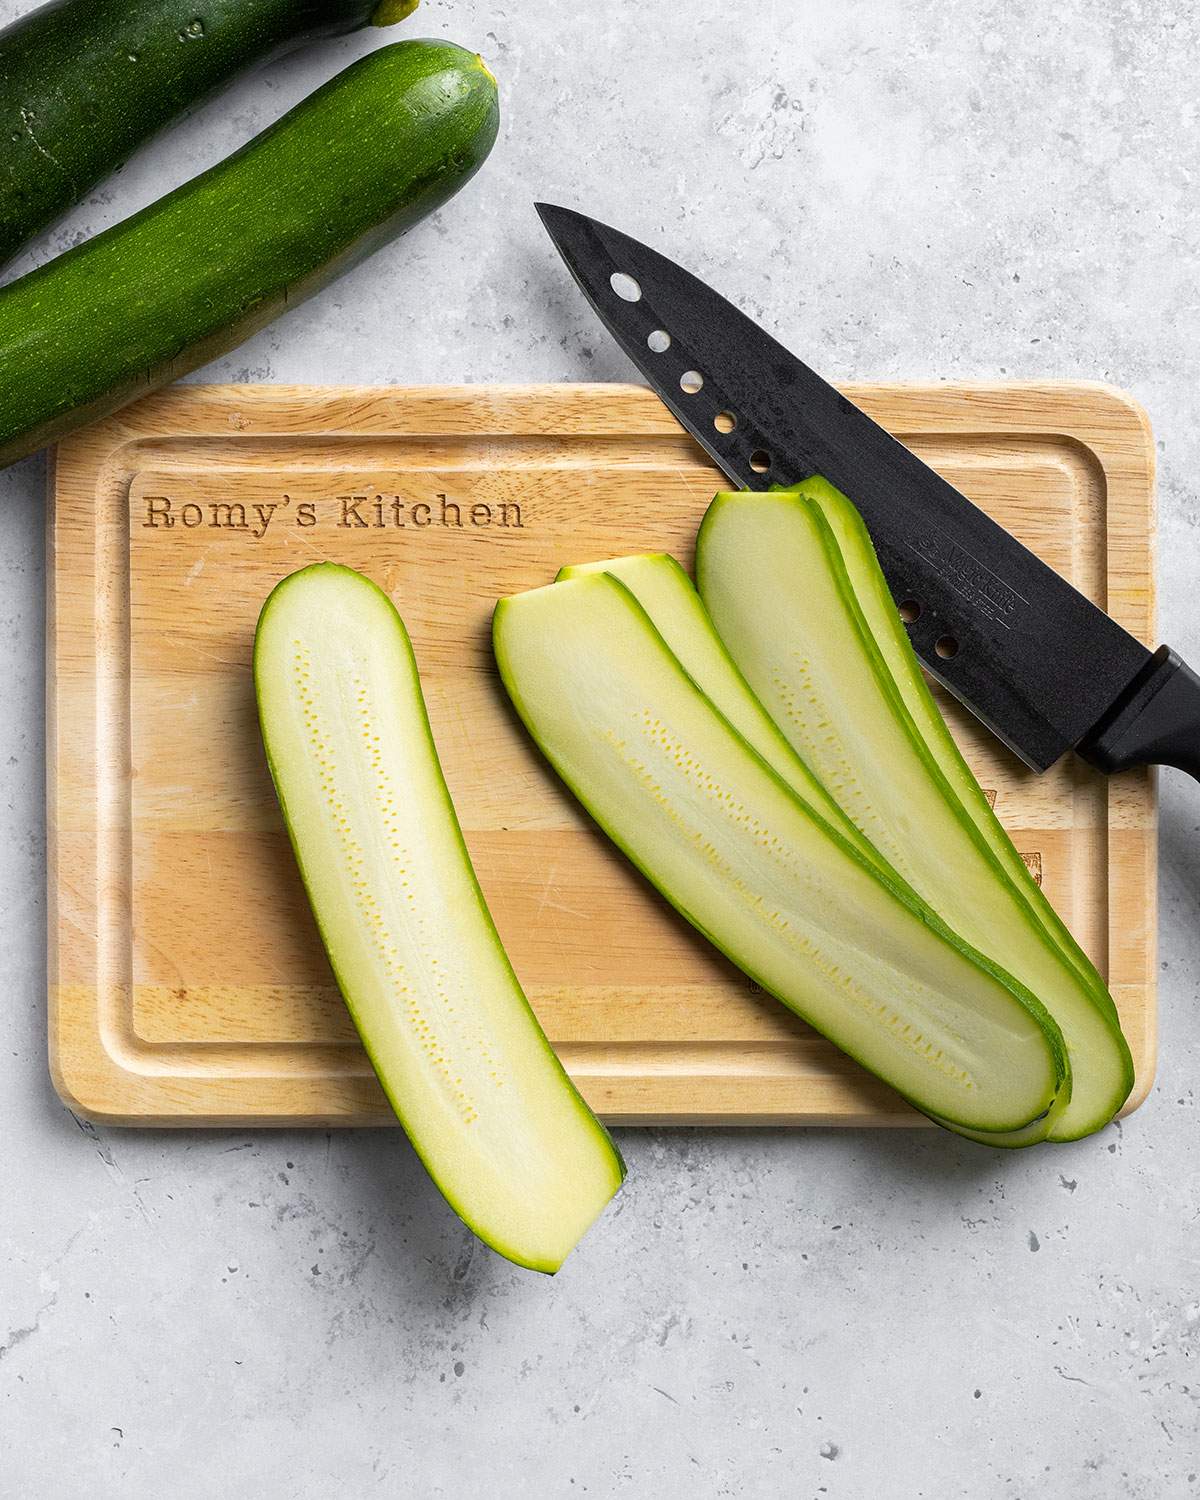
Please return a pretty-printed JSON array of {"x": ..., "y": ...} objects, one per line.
[{"x": 934, "y": 189}]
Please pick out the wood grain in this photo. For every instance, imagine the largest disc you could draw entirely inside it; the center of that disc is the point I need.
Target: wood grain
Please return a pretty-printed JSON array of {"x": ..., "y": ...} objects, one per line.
[{"x": 186, "y": 982}]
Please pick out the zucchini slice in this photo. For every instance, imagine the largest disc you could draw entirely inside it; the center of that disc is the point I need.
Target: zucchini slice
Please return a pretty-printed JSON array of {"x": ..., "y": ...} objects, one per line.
[
  {"x": 750, "y": 865},
  {"x": 666, "y": 593},
  {"x": 772, "y": 576},
  {"x": 459, "y": 1052},
  {"x": 882, "y": 620}
]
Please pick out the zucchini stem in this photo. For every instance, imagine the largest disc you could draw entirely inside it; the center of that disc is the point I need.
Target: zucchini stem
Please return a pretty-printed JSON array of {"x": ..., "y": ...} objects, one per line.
[{"x": 389, "y": 12}]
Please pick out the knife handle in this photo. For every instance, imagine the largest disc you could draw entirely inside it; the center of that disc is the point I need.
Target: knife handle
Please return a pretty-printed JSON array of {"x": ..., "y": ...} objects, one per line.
[{"x": 1155, "y": 723}]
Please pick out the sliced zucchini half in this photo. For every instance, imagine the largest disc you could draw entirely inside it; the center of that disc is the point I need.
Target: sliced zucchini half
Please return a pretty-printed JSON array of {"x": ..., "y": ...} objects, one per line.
[
  {"x": 749, "y": 864},
  {"x": 770, "y": 572},
  {"x": 882, "y": 620},
  {"x": 459, "y": 1052}
]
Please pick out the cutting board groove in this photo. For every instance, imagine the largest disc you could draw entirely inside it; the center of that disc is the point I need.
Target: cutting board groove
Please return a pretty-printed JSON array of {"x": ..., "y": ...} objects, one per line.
[{"x": 187, "y": 985}]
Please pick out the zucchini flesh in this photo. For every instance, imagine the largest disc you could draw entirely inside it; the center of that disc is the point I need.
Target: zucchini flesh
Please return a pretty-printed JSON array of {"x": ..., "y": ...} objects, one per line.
[
  {"x": 750, "y": 865},
  {"x": 458, "y": 1050},
  {"x": 882, "y": 620},
  {"x": 770, "y": 572},
  {"x": 191, "y": 276},
  {"x": 83, "y": 83},
  {"x": 677, "y": 612}
]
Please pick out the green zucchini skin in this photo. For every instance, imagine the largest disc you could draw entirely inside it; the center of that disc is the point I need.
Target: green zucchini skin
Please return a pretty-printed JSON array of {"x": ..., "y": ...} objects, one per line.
[
  {"x": 351, "y": 167},
  {"x": 83, "y": 83}
]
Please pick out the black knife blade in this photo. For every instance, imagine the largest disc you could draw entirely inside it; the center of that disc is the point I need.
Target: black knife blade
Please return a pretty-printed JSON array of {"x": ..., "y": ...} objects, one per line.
[{"x": 1039, "y": 663}]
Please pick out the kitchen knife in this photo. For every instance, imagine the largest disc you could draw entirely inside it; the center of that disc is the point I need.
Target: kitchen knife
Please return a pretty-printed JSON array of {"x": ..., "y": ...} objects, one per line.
[{"x": 1041, "y": 665}]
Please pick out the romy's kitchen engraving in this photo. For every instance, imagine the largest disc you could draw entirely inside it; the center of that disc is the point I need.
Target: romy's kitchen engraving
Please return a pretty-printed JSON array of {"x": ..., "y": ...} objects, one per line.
[{"x": 356, "y": 512}]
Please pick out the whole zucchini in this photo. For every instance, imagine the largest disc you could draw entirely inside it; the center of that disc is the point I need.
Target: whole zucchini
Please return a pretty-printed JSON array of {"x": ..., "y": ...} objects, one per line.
[
  {"x": 84, "y": 82},
  {"x": 191, "y": 276}
]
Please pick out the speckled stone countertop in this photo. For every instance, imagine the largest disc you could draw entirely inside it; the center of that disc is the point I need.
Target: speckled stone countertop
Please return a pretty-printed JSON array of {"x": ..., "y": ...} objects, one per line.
[{"x": 928, "y": 189}]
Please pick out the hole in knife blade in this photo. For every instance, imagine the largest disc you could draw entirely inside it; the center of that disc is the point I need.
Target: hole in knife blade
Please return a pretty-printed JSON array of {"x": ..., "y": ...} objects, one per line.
[
  {"x": 946, "y": 647},
  {"x": 910, "y": 611},
  {"x": 760, "y": 461},
  {"x": 625, "y": 287},
  {"x": 691, "y": 381},
  {"x": 724, "y": 421},
  {"x": 659, "y": 341}
]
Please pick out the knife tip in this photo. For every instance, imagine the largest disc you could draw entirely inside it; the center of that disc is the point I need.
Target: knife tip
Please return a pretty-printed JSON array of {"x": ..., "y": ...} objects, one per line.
[{"x": 555, "y": 213}]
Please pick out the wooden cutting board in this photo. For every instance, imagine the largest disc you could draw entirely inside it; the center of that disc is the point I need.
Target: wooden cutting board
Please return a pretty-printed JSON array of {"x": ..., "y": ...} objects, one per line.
[{"x": 187, "y": 984}]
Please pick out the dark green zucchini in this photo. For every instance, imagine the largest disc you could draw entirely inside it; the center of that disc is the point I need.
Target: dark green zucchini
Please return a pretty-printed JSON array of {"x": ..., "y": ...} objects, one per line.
[
  {"x": 188, "y": 278},
  {"x": 83, "y": 83}
]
